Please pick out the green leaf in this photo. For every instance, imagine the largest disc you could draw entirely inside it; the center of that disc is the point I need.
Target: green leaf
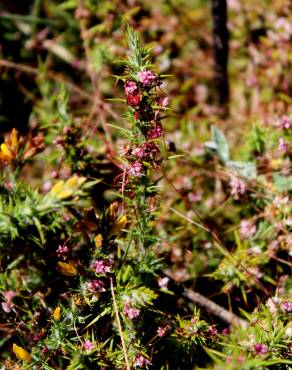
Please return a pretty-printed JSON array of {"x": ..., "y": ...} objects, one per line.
[
  {"x": 245, "y": 169},
  {"x": 212, "y": 146},
  {"x": 105, "y": 312},
  {"x": 218, "y": 144},
  {"x": 282, "y": 183},
  {"x": 222, "y": 145},
  {"x": 62, "y": 100},
  {"x": 39, "y": 227}
]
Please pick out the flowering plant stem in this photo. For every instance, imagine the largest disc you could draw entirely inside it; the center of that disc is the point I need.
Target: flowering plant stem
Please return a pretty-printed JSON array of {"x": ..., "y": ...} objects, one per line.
[{"x": 119, "y": 324}]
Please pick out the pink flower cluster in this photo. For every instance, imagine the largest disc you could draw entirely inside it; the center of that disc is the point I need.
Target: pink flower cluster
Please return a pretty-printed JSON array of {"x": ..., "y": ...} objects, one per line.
[
  {"x": 62, "y": 250},
  {"x": 239, "y": 359},
  {"x": 131, "y": 312},
  {"x": 212, "y": 330},
  {"x": 135, "y": 169},
  {"x": 146, "y": 77},
  {"x": 260, "y": 349},
  {"x": 96, "y": 285},
  {"x": 134, "y": 100},
  {"x": 141, "y": 361},
  {"x": 88, "y": 346},
  {"x": 8, "y": 305},
  {"x": 102, "y": 266},
  {"x": 247, "y": 229},
  {"x": 163, "y": 282},
  {"x": 286, "y": 307},
  {"x": 285, "y": 122},
  {"x": 146, "y": 151},
  {"x": 155, "y": 132},
  {"x": 283, "y": 146},
  {"x": 238, "y": 187},
  {"x": 136, "y": 90},
  {"x": 162, "y": 330},
  {"x": 130, "y": 87}
]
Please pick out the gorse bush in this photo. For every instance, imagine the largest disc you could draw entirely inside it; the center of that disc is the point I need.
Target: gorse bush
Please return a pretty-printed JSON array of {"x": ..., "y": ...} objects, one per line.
[{"x": 135, "y": 249}]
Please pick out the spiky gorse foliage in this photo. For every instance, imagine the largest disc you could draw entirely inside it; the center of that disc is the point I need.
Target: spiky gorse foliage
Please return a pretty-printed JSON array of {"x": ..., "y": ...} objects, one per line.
[
  {"x": 84, "y": 288},
  {"x": 87, "y": 293},
  {"x": 264, "y": 344}
]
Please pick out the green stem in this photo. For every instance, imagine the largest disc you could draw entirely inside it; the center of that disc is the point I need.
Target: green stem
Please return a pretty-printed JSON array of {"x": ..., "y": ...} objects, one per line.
[
  {"x": 28, "y": 18},
  {"x": 119, "y": 325}
]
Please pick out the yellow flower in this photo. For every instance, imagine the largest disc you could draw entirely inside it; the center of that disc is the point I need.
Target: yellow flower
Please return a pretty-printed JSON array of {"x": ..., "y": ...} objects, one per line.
[
  {"x": 62, "y": 190},
  {"x": 9, "y": 149},
  {"x": 5, "y": 150},
  {"x": 57, "y": 313},
  {"x": 98, "y": 240},
  {"x": 67, "y": 269},
  {"x": 72, "y": 182},
  {"x": 65, "y": 194},
  {"x": 57, "y": 187},
  {"x": 118, "y": 225},
  {"x": 14, "y": 142},
  {"x": 121, "y": 223},
  {"x": 5, "y": 153},
  {"x": 112, "y": 209},
  {"x": 77, "y": 300},
  {"x": 21, "y": 353}
]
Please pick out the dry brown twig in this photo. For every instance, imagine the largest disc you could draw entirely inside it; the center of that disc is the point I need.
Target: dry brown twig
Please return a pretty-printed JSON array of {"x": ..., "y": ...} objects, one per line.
[
  {"x": 214, "y": 308},
  {"x": 210, "y": 306}
]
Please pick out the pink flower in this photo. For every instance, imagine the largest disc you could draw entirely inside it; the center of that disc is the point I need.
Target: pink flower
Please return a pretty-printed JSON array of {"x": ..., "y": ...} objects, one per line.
[
  {"x": 146, "y": 77},
  {"x": 155, "y": 132},
  {"x": 280, "y": 202},
  {"x": 273, "y": 304},
  {"x": 131, "y": 312},
  {"x": 138, "y": 152},
  {"x": 260, "y": 349},
  {"x": 136, "y": 116},
  {"x": 212, "y": 330},
  {"x": 247, "y": 229},
  {"x": 255, "y": 250},
  {"x": 88, "y": 346},
  {"x": 234, "y": 5},
  {"x": 102, "y": 266},
  {"x": 285, "y": 122},
  {"x": 133, "y": 100},
  {"x": 59, "y": 141},
  {"x": 8, "y": 185},
  {"x": 238, "y": 187},
  {"x": 9, "y": 295},
  {"x": 163, "y": 101},
  {"x": 130, "y": 87},
  {"x": 62, "y": 250},
  {"x": 225, "y": 331},
  {"x": 195, "y": 196},
  {"x": 141, "y": 361},
  {"x": 240, "y": 359},
  {"x": 145, "y": 151},
  {"x": 135, "y": 169},
  {"x": 229, "y": 359},
  {"x": 45, "y": 349},
  {"x": 283, "y": 146},
  {"x": 162, "y": 330},
  {"x": 8, "y": 305},
  {"x": 96, "y": 285},
  {"x": 163, "y": 282},
  {"x": 286, "y": 306}
]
